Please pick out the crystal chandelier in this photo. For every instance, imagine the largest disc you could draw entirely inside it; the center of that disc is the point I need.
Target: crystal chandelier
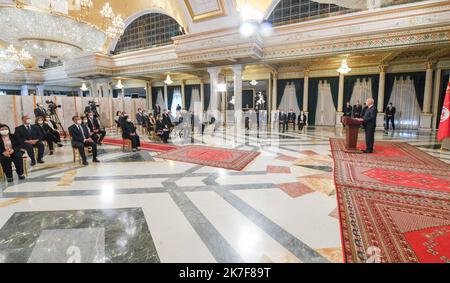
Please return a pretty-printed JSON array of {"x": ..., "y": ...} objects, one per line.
[
  {"x": 84, "y": 87},
  {"x": 119, "y": 85},
  {"x": 253, "y": 83},
  {"x": 168, "y": 80},
  {"x": 47, "y": 35},
  {"x": 344, "y": 69},
  {"x": 12, "y": 59},
  {"x": 115, "y": 25}
]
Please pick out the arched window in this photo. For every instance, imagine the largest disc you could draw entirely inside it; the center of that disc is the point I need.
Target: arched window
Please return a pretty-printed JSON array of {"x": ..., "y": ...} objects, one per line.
[
  {"x": 295, "y": 11},
  {"x": 148, "y": 31}
]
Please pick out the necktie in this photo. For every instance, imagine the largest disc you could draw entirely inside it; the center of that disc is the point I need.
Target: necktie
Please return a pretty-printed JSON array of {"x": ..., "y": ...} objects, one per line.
[
  {"x": 82, "y": 132},
  {"x": 29, "y": 129}
]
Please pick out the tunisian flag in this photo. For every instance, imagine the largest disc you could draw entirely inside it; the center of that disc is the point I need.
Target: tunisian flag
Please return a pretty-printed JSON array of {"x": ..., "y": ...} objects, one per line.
[{"x": 444, "y": 127}]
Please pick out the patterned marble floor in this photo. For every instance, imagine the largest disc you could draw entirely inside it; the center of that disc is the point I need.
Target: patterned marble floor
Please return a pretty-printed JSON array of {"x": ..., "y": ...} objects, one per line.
[{"x": 134, "y": 207}]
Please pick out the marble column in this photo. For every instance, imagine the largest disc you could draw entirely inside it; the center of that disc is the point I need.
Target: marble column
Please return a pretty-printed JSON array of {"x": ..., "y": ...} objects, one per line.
[
  {"x": 269, "y": 99},
  {"x": 166, "y": 98},
  {"x": 202, "y": 94},
  {"x": 214, "y": 99},
  {"x": 149, "y": 96},
  {"x": 340, "y": 109},
  {"x": 237, "y": 78},
  {"x": 426, "y": 116},
  {"x": 183, "y": 95},
  {"x": 306, "y": 91},
  {"x": 380, "y": 105},
  {"x": 24, "y": 90},
  {"x": 274, "y": 91},
  {"x": 437, "y": 92},
  {"x": 40, "y": 90}
]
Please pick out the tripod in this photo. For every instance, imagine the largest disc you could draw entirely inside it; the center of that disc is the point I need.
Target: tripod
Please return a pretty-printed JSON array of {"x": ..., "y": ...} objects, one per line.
[{"x": 54, "y": 117}]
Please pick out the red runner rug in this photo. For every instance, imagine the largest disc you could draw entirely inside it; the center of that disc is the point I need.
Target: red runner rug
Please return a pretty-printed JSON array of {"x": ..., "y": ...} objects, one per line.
[
  {"x": 211, "y": 156},
  {"x": 394, "y": 205},
  {"x": 145, "y": 146}
]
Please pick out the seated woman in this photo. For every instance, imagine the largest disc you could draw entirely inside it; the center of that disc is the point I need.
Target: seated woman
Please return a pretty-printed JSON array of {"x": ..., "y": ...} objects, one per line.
[
  {"x": 162, "y": 129},
  {"x": 129, "y": 132},
  {"x": 51, "y": 127},
  {"x": 45, "y": 134},
  {"x": 10, "y": 153},
  {"x": 118, "y": 119}
]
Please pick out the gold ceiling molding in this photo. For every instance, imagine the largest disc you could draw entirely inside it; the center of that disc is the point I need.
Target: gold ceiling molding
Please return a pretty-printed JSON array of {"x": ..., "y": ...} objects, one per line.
[{"x": 220, "y": 12}]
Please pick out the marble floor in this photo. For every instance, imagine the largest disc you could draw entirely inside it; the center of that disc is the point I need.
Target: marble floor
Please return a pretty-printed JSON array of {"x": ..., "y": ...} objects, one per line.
[{"x": 134, "y": 207}]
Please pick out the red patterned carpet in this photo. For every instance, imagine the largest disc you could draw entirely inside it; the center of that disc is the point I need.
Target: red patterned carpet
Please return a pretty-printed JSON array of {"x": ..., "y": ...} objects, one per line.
[
  {"x": 210, "y": 156},
  {"x": 394, "y": 205},
  {"x": 145, "y": 146},
  {"x": 388, "y": 153}
]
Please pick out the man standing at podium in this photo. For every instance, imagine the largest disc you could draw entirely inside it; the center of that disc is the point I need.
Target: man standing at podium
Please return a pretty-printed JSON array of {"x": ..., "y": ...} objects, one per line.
[{"x": 370, "y": 124}]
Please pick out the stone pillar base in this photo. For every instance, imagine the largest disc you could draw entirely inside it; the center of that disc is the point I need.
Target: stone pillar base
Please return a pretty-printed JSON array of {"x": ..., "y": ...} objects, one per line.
[
  {"x": 380, "y": 122},
  {"x": 425, "y": 122},
  {"x": 446, "y": 144},
  {"x": 339, "y": 116}
]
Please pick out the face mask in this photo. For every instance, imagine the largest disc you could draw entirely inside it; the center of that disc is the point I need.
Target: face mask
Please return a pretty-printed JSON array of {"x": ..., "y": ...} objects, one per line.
[
  {"x": 128, "y": 120},
  {"x": 78, "y": 122},
  {"x": 4, "y": 132},
  {"x": 40, "y": 122},
  {"x": 47, "y": 120},
  {"x": 85, "y": 121},
  {"x": 28, "y": 121}
]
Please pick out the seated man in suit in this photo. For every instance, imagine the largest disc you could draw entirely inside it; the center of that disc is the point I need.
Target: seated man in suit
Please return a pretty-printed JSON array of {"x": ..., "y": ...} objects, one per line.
[
  {"x": 129, "y": 132},
  {"x": 291, "y": 118},
  {"x": 301, "y": 120},
  {"x": 81, "y": 139},
  {"x": 10, "y": 153},
  {"x": 370, "y": 124},
  {"x": 40, "y": 111},
  {"x": 357, "y": 110},
  {"x": 90, "y": 134},
  {"x": 96, "y": 128},
  {"x": 162, "y": 129},
  {"x": 30, "y": 137},
  {"x": 282, "y": 120}
]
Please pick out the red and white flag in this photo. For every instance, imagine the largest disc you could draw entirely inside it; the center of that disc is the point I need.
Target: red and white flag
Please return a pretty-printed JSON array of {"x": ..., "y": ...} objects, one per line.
[{"x": 444, "y": 127}]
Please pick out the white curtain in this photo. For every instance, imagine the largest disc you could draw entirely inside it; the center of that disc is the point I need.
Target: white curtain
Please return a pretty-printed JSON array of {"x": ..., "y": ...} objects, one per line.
[
  {"x": 361, "y": 91},
  {"x": 195, "y": 98},
  {"x": 404, "y": 99},
  {"x": 325, "y": 110},
  {"x": 177, "y": 100},
  {"x": 289, "y": 100},
  {"x": 160, "y": 100}
]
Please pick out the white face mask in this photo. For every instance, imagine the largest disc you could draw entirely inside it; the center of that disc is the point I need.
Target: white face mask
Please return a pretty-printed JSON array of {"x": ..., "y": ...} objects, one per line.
[
  {"x": 78, "y": 122},
  {"x": 128, "y": 120},
  {"x": 85, "y": 121},
  {"x": 40, "y": 122},
  {"x": 28, "y": 121},
  {"x": 4, "y": 132}
]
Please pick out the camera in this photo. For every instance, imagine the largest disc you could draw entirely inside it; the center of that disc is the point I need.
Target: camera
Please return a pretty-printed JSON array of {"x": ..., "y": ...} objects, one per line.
[
  {"x": 52, "y": 107},
  {"x": 92, "y": 107}
]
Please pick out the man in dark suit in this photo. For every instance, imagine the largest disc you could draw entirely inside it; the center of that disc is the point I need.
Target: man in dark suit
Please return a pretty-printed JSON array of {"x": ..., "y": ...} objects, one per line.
[
  {"x": 390, "y": 116},
  {"x": 140, "y": 117},
  {"x": 40, "y": 111},
  {"x": 30, "y": 137},
  {"x": 357, "y": 110},
  {"x": 95, "y": 127},
  {"x": 81, "y": 139},
  {"x": 370, "y": 124},
  {"x": 291, "y": 118},
  {"x": 282, "y": 120},
  {"x": 348, "y": 110}
]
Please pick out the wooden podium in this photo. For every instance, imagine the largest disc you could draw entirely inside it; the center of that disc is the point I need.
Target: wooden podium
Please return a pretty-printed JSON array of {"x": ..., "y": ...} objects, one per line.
[{"x": 351, "y": 140}]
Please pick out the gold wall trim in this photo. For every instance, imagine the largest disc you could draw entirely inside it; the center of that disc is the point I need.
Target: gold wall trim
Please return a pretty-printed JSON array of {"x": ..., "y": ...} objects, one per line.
[{"x": 206, "y": 16}]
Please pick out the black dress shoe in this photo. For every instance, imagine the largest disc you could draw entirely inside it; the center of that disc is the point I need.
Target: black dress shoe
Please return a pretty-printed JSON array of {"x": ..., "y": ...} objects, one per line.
[
  {"x": 22, "y": 177},
  {"x": 51, "y": 153},
  {"x": 96, "y": 160},
  {"x": 85, "y": 163},
  {"x": 60, "y": 145},
  {"x": 33, "y": 163},
  {"x": 41, "y": 161},
  {"x": 10, "y": 180}
]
